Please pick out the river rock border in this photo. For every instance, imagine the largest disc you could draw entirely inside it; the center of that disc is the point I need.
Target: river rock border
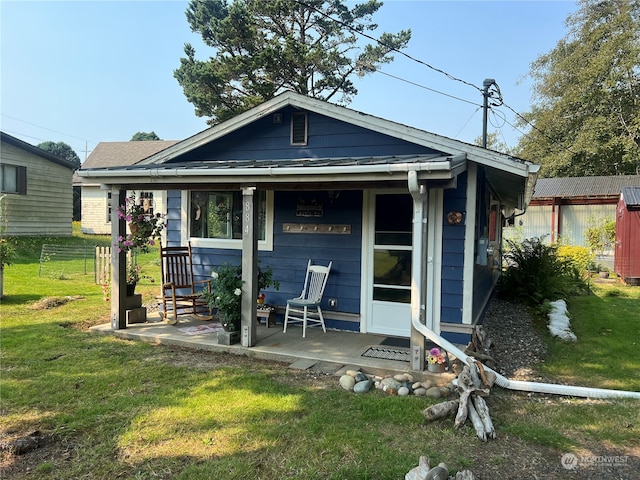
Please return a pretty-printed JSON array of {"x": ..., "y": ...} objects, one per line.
[{"x": 401, "y": 384}]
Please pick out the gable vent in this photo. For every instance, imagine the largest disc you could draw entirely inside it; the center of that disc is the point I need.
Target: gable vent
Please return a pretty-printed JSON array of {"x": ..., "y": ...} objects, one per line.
[{"x": 299, "y": 128}]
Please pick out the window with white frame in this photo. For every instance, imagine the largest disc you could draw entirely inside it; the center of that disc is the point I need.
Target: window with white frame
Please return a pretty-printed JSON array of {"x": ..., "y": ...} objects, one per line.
[
  {"x": 215, "y": 218},
  {"x": 13, "y": 179}
]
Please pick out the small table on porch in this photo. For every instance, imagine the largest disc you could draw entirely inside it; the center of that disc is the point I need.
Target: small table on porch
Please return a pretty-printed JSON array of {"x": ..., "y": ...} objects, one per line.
[{"x": 268, "y": 313}]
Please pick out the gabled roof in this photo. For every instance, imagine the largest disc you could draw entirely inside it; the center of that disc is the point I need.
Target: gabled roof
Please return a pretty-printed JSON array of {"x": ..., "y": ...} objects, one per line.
[
  {"x": 120, "y": 154},
  {"x": 511, "y": 178},
  {"x": 292, "y": 99},
  {"x": 5, "y": 137},
  {"x": 583, "y": 187}
]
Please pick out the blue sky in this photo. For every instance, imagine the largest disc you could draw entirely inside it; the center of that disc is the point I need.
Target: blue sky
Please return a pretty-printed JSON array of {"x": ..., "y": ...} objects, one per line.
[{"x": 86, "y": 72}]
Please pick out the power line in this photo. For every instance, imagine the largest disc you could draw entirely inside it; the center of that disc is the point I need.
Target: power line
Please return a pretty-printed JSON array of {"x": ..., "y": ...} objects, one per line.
[
  {"x": 44, "y": 128},
  {"x": 427, "y": 88},
  {"x": 379, "y": 42},
  {"x": 23, "y": 135},
  {"x": 553, "y": 140},
  {"x": 467, "y": 122}
]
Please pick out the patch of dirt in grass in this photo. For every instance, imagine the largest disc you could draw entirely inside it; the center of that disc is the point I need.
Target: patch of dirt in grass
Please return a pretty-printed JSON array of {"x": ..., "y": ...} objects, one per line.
[
  {"x": 49, "y": 454},
  {"x": 52, "y": 302}
]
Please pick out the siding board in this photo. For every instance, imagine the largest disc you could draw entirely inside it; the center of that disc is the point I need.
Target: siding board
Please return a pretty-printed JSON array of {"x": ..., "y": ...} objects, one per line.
[
  {"x": 47, "y": 208},
  {"x": 263, "y": 140}
]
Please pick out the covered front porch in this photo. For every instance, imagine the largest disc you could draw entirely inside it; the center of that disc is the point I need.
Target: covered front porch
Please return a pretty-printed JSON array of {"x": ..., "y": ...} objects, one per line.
[{"x": 332, "y": 352}]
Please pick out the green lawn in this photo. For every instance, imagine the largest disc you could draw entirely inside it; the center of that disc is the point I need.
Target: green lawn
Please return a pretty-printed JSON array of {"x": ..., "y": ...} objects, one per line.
[{"x": 118, "y": 409}]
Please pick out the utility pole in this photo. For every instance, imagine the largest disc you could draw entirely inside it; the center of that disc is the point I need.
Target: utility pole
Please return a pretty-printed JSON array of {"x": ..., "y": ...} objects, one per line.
[
  {"x": 485, "y": 110},
  {"x": 86, "y": 147}
]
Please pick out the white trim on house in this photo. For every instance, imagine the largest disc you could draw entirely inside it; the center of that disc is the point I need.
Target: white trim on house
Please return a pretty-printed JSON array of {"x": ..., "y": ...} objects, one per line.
[
  {"x": 367, "y": 285},
  {"x": 434, "y": 259},
  {"x": 365, "y": 260},
  {"x": 469, "y": 243},
  {"x": 231, "y": 244}
]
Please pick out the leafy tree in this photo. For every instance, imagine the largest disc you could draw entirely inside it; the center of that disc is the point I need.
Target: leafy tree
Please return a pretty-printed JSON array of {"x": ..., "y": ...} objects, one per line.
[
  {"x": 587, "y": 95},
  {"x": 61, "y": 150},
  {"x": 144, "y": 136},
  {"x": 263, "y": 47},
  {"x": 494, "y": 143},
  {"x": 601, "y": 234}
]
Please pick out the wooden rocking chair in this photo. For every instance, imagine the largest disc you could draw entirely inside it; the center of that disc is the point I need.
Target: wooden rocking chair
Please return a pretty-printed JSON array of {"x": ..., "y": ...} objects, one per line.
[{"x": 178, "y": 289}]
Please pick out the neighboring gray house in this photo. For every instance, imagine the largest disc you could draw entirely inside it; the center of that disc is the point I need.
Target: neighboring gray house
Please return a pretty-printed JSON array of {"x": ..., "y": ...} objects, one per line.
[
  {"x": 36, "y": 190},
  {"x": 562, "y": 208},
  {"x": 96, "y": 202}
]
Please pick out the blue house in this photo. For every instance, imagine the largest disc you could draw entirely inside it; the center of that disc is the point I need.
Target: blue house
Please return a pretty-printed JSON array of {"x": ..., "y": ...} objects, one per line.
[{"x": 411, "y": 220}]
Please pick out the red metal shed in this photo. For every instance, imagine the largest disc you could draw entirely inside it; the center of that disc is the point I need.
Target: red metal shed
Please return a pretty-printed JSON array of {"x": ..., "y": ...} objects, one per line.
[{"x": 627, "y": 258}]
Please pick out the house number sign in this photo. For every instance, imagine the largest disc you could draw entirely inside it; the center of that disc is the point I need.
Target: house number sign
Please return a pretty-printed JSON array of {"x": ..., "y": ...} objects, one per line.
[{"x": 247, "y": 216}]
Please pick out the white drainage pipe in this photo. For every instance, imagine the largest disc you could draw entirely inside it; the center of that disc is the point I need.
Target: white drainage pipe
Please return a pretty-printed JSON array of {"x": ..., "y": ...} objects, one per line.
[{"x": 520, "y": 385}]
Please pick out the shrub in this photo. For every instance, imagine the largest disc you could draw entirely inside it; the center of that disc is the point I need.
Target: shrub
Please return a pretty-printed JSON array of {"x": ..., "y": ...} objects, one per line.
[
  {"x": 535, "y": 273},
  {"x": 579, "y": 257}
]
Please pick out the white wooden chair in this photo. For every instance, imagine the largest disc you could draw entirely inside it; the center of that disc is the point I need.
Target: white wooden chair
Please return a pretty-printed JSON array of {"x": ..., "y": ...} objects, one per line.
[{"x": 305, "y": 309}]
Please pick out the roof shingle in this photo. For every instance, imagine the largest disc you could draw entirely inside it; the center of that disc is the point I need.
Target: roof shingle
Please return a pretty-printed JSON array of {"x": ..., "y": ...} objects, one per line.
[{"x": 120, "y": 154}]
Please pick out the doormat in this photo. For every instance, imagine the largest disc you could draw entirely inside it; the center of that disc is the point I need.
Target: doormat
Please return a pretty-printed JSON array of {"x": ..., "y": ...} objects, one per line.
[
  {"x": 396, "y": 342},
  {"x": 201, "y": 329},
  {"x": 388, "y": 353}
]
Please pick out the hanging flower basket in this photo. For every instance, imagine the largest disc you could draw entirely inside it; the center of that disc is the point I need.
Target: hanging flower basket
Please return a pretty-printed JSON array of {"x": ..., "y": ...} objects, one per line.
[{"x": 144, "y": 227}]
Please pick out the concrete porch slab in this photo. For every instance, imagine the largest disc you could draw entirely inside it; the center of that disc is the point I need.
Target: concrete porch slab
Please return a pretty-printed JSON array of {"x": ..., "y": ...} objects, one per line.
[{"x": 331, "y": 351}]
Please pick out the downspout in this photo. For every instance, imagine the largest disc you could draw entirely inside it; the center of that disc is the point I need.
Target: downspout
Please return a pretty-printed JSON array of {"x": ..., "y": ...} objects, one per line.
[
  {"x": 502, "y": 381},
  {"x": 418, "y": 278}
]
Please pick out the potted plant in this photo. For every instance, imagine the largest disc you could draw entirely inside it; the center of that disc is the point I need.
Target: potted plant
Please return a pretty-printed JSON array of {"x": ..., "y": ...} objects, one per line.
[
  {"x": 133, "y": 277},
  {"x": 437, "y": 360},
  {"x": 226, "y": 292},
  {"x": 144, "y": 226}
]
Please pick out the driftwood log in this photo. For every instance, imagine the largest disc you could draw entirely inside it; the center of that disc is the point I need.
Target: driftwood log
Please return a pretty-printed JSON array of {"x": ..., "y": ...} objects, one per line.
[
  {"x": 479, "y": 345},
  {"x": 473, "y": 386},
  {"x": 441, "y": 472}
]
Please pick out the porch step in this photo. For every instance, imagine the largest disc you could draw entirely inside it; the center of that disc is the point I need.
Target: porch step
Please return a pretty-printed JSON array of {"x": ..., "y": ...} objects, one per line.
[
  {"x": 317, "y": 366},
  {"x": 302, "y": 364}
]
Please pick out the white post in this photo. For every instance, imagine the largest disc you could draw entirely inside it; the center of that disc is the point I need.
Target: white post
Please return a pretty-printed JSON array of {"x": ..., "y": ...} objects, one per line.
[{"x": 249, "y": 267}]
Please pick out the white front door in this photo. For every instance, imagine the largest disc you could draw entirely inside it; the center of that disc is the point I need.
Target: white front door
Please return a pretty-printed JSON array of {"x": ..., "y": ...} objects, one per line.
[{"x": 389, "y": 264}]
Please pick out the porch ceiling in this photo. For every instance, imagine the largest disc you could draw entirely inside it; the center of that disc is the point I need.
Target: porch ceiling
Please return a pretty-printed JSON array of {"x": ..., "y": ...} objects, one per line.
[{"x": 512, "y": 190}]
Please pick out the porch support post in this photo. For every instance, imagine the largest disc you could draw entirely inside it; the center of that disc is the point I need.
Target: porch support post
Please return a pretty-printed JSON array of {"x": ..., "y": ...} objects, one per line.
[
  {"x": 418, "y": 270},
  {"x": 118, "y": 263},
  {"x": 249, "y": 266}
]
